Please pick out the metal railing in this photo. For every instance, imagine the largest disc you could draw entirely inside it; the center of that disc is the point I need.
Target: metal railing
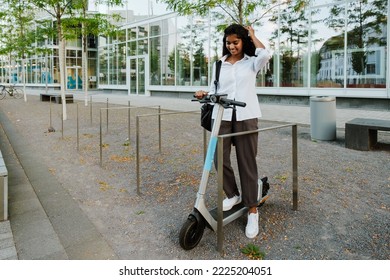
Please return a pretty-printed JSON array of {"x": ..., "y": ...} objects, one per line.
[
  {"x": 159, "y": 139},
  {"x": 129, "y": 121}
]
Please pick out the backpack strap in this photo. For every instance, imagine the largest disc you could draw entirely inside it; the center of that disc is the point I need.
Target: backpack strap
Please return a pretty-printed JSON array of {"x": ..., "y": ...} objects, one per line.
[{"x": 217, "y": 71}]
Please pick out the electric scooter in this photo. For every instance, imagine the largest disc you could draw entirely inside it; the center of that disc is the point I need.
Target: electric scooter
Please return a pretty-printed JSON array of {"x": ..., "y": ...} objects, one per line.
[{"x": 192, "y": 230}]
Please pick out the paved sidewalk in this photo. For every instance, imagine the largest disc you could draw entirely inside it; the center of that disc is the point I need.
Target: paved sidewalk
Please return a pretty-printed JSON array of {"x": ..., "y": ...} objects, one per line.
[
  {"x": 50, "y": 234},
  {"x": 42, "y": 212},
  {"x": 7, "y": 245}
]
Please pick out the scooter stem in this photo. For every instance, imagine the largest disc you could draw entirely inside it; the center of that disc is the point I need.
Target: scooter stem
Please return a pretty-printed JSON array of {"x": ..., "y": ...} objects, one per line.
[{"x": 208, "y": 164}]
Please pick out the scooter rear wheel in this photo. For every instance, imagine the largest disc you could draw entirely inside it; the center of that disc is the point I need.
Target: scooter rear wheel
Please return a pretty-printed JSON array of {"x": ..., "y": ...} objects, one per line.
[{"x": 191, "y": 232}]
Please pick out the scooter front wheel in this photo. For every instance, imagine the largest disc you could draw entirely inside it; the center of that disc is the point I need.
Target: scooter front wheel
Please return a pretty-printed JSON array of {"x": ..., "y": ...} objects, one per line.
[{"x": 191, "y": 232}]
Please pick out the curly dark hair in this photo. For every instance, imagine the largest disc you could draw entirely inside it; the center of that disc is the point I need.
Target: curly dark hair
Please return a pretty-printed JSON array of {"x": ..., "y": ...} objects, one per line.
[{"x": 248, "y": 46}]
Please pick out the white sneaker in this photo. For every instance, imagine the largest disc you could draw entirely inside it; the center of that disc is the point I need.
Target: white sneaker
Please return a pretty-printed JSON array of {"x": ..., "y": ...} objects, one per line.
[
  {"x": 228, "y": 203},
  {"x": 252, "y": 227}
]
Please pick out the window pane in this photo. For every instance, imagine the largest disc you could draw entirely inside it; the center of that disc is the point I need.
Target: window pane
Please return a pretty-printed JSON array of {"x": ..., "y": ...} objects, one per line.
[
  {"x": 71, "y": 53},
  {"x": 141, "y": 75},
  {"x": 293, "y": 38},
  {"x": 49, "y": 70},
  {"x": 155, "y": 28},
  {"x": 132, "y": 33},
  {"x": 122, "y": 35},
  {"x": 168, "y": 59},
  {"x": 91, "y": 41},
  {"x": 2, "y": 72},
  {"x": 16, "y": 72},
  {"x": 92, "y": 79},
  {"x": 102, "y": 41},
  {"x": 183, "y": 66},
  {"x": 122, "y": 63},
  {"x": 215, "y": 48},
  {"x": 366, "y": 43},
  {"x": 184, "y": 47},
  {"x": 113, "y": 65},
  {"x": 327, "y": 47},
  {"x": 143, "y": 31},
  {"x": 264, "y": 32},
  {"x": 133, "y": 75},
  {"x": 155, "y": 61},
  {"x": 142, "y": 46},
  {"x": 38, "y": 72},
  {"x": 132, "y": 48},
  {"x": 199, "y": 48},
  {"x": 29, "y": 71},
  {"x": 200, "y": 69},
  {"x": 103, "y": 66}
]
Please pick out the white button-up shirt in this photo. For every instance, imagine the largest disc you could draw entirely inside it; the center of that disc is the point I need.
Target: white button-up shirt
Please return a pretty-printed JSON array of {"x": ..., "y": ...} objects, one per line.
[{"x": 238, "y": 81}]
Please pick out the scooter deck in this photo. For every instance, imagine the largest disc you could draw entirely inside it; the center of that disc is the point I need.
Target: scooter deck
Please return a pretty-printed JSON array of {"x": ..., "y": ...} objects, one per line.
[
  {"x": 228, "y": 216},
  {"x": 237, "y": 211}
]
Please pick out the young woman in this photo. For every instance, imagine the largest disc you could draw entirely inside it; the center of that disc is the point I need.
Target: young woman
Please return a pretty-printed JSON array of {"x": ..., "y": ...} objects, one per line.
[{"x": 244, "y": 55}]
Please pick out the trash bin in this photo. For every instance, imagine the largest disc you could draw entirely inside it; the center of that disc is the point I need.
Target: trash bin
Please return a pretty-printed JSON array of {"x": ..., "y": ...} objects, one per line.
[{"x": 323, "y": 118}]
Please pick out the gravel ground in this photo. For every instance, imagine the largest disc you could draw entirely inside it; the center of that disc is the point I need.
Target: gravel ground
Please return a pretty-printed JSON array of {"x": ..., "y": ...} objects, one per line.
[{"x": 344, "y": 195}]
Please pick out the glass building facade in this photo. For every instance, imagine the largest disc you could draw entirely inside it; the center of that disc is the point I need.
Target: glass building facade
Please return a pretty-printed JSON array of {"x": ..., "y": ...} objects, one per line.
[
  {"x": 41, "y": 67},
  {"x": 331, "y": 47}
]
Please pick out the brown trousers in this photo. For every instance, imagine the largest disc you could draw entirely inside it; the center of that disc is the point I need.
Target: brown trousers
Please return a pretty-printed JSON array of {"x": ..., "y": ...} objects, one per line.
[{"x": 246, "y": 152}]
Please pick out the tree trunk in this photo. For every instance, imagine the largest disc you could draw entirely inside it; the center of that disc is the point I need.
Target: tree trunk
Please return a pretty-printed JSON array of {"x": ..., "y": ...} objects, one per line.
[
  {"x": 85, "y": 62},
  {"x": 240, "y": 12},
  {"x": 24, "y": 79},
  {"x": 61, "y": 54},
  {"x": 85, "y": 74}
]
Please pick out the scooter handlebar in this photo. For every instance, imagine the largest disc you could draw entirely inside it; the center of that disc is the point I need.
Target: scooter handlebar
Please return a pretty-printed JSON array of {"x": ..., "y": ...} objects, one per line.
[
  {"x": 233, "y": 102},
  {"x": 220, "y": 99}
]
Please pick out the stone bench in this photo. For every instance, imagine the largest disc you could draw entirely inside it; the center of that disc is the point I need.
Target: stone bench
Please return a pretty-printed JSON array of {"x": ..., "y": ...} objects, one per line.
[
  {"x": 56, "y": 97},
  {"x": 3, "y": 190},
  {"x": 362, "y": 134}
]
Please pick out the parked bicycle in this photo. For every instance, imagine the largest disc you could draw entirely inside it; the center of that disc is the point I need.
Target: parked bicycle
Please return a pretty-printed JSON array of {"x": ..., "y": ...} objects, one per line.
[{"x": 12, "y": 91}]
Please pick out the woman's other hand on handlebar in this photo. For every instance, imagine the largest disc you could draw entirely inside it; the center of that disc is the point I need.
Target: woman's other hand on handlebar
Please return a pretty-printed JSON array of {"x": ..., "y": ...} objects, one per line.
[{"x": 200, "y": 94}]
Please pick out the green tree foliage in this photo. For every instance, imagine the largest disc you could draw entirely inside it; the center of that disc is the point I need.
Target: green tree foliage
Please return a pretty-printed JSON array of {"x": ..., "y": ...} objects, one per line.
[
  {"x": 246, "y": 12},
  {"x": 18, "y": 35}
]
